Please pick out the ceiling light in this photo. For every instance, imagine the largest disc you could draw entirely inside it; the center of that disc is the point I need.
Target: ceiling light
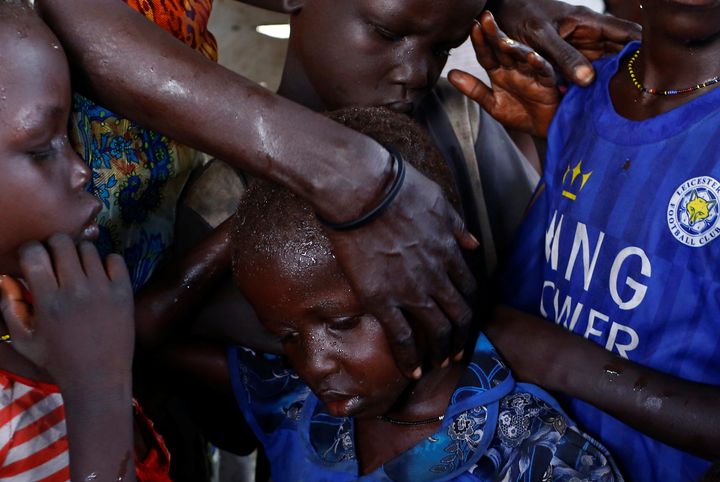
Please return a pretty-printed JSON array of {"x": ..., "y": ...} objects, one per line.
[{"x": 281, "y": 30}]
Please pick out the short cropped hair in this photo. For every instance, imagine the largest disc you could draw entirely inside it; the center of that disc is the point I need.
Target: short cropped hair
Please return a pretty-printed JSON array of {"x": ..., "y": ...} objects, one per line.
[{"x": 273, "y": 224}]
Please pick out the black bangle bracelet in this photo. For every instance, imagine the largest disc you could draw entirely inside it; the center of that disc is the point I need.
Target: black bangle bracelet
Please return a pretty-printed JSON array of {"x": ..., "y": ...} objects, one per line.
[{"x": 380, "y": 208}]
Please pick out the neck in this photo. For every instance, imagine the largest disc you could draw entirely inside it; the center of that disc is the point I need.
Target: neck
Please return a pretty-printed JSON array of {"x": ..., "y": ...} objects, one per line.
[
  {"x": 429, "y": 396},
  {"x": 670, "y": 63},
  {"x": 425, "y": 400},
  {"x": 295, "y": 85},
  {"x": 665, "y": 63}
]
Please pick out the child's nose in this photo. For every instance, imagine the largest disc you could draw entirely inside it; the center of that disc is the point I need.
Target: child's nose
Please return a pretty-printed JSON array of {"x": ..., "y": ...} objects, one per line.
[
  {"x": 80, "y": 172},
  {"x": 413, "y": 69},
  {"x": 321, "y": 359}
]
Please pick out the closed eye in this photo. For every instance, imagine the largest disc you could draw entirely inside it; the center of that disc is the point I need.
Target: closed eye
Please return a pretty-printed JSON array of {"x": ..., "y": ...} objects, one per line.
[
  {"x": 345, "y": 323},
  {"x": 386, "y": 34}
]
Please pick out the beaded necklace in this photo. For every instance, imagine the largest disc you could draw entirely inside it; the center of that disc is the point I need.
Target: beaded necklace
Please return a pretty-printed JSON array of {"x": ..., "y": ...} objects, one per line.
[
  {"x": 646, "y": 90},
  {"x": 410, "y": 423}
]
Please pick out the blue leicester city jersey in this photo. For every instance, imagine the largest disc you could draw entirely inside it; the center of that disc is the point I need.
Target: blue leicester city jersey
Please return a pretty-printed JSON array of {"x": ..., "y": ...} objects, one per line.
[{"x": 622, "y": 247}]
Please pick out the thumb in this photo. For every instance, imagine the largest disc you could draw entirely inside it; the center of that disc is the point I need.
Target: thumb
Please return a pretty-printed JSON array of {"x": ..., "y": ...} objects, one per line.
[
  {"x": 573, "y": 64},
  {"x": 15, "y": 307},
  {"x": 474, "y": 88}
]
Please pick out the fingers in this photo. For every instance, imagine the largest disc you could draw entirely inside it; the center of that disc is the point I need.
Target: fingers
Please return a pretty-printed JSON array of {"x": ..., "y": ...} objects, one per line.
[
  {"x": 91, "y": 262},
  {"x": 619, "y": 31},
  {"x": 401, "y": 340},
  {"x": 16, "y": 309},
  {"x": 458, "y": 270},
  {"x": 65, "y": 259},
  {"x": 434, "y": 323},
  {"x": 483, "y": 51},
  {"x": 461, "y": 234},
  {"x": 544, "y": 73},
  {"x": 474, "y": 88},
  {"x": 37, "y": 269},
  {"x": 573, "y": 64},
  {"x": 117, "y": 270},
  {"x": 457, "y": 310}
]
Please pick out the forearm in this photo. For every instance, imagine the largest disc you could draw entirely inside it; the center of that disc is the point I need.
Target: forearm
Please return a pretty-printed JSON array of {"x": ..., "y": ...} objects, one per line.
[
  {"x": 136, "y": 69},
  {"x": 177, "y": 290},
  {"x": 100, "y": 432},
  {"x": 678, "y": 412}
]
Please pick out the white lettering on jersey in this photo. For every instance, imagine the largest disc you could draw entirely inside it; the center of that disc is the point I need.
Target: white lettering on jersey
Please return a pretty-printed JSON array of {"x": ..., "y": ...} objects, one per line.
[
  {"x": 581, "y": 241},
  {"x": 640, "y": 290}
]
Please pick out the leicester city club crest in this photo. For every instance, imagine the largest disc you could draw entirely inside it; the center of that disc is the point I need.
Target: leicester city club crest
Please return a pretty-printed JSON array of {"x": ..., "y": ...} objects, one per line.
[{"x": 693, "y": 212}]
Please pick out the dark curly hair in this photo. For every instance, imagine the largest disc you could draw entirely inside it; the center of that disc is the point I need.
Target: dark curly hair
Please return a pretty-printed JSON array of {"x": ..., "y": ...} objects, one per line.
[{"x": 272, "y": 224}]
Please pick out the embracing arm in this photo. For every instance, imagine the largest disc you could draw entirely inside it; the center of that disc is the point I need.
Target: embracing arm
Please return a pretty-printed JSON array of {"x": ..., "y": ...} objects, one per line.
[
  {"x": 178, "y": 288},
  {"x": 677, "y": 412},
  {"x": 133, "y": 67},
  {"x": 138, "y": 70}
]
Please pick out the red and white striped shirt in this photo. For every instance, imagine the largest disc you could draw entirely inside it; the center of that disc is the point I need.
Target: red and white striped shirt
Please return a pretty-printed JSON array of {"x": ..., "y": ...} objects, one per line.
[{"x": 33, "y": 435}]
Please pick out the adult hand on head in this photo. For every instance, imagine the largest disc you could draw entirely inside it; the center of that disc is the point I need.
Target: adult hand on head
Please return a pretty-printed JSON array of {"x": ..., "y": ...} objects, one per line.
[
  {"x": 569, "y": 36},
  {"x": 79, "y": 324},
  {"x": 407, "y": 269},
  {"x": 524, "y": 94}
]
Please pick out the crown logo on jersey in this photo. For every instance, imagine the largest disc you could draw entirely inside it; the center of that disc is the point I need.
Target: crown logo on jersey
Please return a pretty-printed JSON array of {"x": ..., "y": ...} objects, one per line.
[{"x": 576, "y": 173}]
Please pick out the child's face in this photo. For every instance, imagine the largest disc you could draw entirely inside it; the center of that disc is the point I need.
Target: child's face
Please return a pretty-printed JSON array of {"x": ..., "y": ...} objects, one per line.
[
  {"x": 376, "y": 52},
  {"x": 684, "y": 20},
  {"x": 340, "y": 352},
  {"x": 42, "y": 183}
]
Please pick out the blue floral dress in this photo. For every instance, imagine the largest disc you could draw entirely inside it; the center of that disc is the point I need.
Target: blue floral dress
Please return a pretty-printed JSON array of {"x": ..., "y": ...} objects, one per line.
[
  {"x": 494, "y": 430},
  {"x": 139, "y": 174}
]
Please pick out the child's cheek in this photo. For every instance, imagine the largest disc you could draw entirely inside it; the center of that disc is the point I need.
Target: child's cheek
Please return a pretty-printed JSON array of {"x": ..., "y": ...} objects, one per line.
[{"x": 372, "y": 358}]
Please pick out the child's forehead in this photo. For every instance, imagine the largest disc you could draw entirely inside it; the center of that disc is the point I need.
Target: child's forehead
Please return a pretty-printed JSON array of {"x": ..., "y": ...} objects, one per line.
[{"x": 421, "y": 14}]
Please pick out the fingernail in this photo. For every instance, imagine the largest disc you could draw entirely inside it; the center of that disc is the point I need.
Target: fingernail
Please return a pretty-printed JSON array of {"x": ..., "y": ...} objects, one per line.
[
  {"x": 460, "y": 356},
  {"x": 510, "y": 42},
  {"x": 477, "y": 22},
  {"x": 475, "y": 240},
  {"x": 446, "y": 363},
  {"x": 417, "y": 374},
  {"x": 584, "y": 74}
]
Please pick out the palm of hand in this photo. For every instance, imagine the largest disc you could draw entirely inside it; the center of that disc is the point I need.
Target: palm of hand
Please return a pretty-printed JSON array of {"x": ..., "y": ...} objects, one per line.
[{"x": 522, "y": 101}]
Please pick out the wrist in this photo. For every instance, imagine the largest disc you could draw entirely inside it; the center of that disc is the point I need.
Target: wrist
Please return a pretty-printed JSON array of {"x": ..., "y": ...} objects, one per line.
[
  {"x": 349, "y": 194},
  {"x": 106, "y": 389}
]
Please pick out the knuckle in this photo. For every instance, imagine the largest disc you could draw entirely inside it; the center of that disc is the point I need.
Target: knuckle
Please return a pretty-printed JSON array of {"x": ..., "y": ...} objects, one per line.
[
  {"x": 404, "y": 338},
  {"x": 443, "y": 332}
]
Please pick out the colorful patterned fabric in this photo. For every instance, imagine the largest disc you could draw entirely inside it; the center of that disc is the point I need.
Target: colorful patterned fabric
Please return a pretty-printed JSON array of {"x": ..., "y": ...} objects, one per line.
[
  {"x": 494, "y": 429},
  {"x": 139, "y": 174},
  {"x": 186, "y": 20},
  {"x": 621, "y": 247}
]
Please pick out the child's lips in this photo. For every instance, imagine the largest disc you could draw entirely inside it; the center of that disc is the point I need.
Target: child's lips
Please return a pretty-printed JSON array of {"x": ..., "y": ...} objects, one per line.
[
  {"x": 341, "y": 404},
  {"x": 402, "y": 106},
  {"x": 91, "y": 230}
]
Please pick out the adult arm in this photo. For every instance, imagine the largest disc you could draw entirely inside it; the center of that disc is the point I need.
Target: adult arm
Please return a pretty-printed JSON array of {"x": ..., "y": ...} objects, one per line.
[
  {"x": 678, "y": 412},
  {"x": 79, "y": 330},
  {"x": 133, "y": 67},
  {"x": 569, "y": 36},
  {"x": 178, "y": 289}
]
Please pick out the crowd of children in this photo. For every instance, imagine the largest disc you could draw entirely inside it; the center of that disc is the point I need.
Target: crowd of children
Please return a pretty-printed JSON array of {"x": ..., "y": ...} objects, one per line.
[{"x": 359, "y": 333}]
